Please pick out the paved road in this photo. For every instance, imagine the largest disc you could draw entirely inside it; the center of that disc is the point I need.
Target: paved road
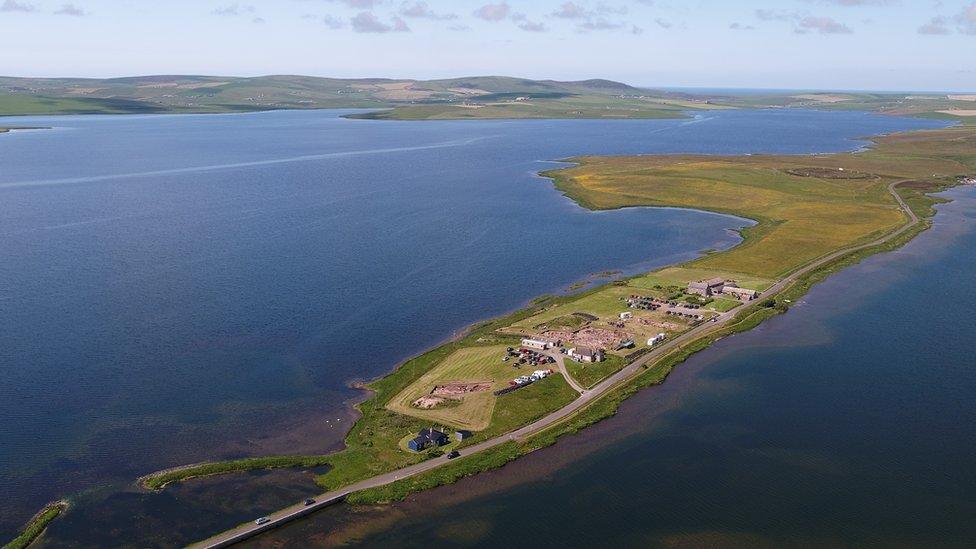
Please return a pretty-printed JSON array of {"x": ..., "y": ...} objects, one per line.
[
  {"x": 246, "y": 531},
  {"x": 561, "y": 363}
]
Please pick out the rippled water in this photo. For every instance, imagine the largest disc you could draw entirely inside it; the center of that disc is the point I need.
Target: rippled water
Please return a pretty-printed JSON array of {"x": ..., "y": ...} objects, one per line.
[
  {"x": 177, "y": 288},
  {"x": 848, "y": 422}
]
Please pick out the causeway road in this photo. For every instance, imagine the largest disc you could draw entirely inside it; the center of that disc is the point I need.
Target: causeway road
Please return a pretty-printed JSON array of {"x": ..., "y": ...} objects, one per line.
[{"x": 630, "y": 371}]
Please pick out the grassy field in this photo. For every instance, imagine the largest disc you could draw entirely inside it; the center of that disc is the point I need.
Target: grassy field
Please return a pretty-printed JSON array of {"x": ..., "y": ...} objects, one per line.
[
  {"x": 484, "y": 96},
  {"x": 37, "y": 525},
  {"x": 470, "y": 364},
  {"x": 681, "y": 275},
  {"x": 605, "y": 303},
  {"x": 798, "y": 221},
  {"x": 589, "y": 374},
  {"x": 800, "y": 218}
]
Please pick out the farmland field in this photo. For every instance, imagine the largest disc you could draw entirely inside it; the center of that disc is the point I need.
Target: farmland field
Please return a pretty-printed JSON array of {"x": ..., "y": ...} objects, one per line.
[
  {"x": 471, "y": 364},
  {"x": 800, "y": 218}
]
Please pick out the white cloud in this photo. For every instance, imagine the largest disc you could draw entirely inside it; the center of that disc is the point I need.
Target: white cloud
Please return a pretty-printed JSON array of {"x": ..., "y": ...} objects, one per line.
[
  {"x": 740, "y": 26},
  {"x": 359, "y": 4},
  {"x": 421, "y": 10},
  {"x": 967, "y": 19},
  {"x": 599, "y": 24},
  {"x": 14, "y": 5},
  {"x": 367, "y": 22},
  {"x": 571, "y": 10},
  {"x": 850, "y": 3},
  {"x": 936, "y": 25},
  {"x": 493, "y": 12},
  {"x": 821, "y": 25},
  {"x": 233, "y": 10},
  {"x": 72, "y": 10},
  {"x": 332, "y": 22},
  {"x": 805, "y": 23}
]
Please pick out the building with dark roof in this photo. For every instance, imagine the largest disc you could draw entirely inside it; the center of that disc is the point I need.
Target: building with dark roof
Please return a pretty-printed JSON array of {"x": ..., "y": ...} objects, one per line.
[
  {"x": 427, "y": 438},
  {"x": 706, "y": 288}
]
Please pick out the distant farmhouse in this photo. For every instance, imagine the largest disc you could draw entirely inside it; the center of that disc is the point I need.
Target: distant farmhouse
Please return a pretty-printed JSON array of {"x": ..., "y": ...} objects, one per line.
[
  {"x": 742, "y": 293},
  {"x": 706, "y": 288},
  {"x": 718, "y": 286},
  {"x": 427, "y": 438},
  {"x": 586, "y": 354}
]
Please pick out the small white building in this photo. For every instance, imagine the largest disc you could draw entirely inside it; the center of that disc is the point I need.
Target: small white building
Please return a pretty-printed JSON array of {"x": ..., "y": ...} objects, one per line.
[
  {"x": 626, "y": 315},
  {"x": 744, "y": 294},
  {"x": 656, "y": 339},
  {"x": 586, "y": 354},
  {"x": 540, "y": 344}
]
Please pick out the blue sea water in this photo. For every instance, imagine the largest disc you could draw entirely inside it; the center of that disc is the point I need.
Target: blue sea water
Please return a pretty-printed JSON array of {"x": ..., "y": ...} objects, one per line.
[
  {"x": 178, "y": 288},
  {"x": 847, "y": 422}
]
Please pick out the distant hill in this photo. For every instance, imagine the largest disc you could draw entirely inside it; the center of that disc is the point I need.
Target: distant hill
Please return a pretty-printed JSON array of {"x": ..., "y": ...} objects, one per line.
[
  {"x": 190, "y": 93},
  {"x": 472, "y": 97}
]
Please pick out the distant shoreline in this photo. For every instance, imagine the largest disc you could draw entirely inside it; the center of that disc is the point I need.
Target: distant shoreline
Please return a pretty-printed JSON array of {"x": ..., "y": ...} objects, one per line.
[{"x": 11, "y": 129}]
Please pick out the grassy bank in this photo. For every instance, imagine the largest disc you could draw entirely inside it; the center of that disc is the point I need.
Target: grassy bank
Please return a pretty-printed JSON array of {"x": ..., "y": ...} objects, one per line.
[
  {"x": 160, "y": 479},
  {"x": 36, "y": 526},
  {"x": 807, "y": 207}
]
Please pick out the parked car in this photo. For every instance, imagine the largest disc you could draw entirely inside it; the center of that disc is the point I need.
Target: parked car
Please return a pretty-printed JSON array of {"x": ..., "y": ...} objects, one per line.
[
  {"x": 453, "y": 454},
  {"x": 262, "y": 520},
  {"x": 308, "y": 502}
]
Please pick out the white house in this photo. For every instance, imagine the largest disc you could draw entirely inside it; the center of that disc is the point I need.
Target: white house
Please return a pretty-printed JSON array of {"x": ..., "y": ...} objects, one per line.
[
  {"x": 539, "y": 344},
  {"x": 586, "y": 354}
]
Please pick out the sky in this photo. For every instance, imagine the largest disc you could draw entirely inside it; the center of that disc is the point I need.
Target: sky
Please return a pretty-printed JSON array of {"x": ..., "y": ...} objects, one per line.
[{"x": 898, "y": 45}]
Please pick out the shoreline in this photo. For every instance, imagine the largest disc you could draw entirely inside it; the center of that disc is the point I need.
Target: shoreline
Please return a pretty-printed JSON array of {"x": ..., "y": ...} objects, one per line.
[
  {"x": 544, "y": 300},
  {"x": 12, "y": 129},
  {"x": 618, "y": 390},
  {"x": 496, "y": 455},
  {"x": 638, "y": 416}
]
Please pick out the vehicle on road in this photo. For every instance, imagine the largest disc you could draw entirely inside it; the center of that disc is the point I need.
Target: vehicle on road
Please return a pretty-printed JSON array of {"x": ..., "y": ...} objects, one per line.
[
  {"x": 308, "y": 502},
  {"x": 262, "y": 520},
  {"x": 453, "y": 454}
]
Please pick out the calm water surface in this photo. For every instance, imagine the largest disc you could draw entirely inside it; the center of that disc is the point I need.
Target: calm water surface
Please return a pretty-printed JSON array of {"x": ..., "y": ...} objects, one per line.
[
  {"x": 178, "y": 288},
  {"x": 848, "y": 422}
]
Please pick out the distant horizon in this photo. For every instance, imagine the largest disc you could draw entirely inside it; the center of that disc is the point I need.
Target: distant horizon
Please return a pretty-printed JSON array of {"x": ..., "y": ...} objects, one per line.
[
  {"x": 869, "y": 45},
  {"x": 717, "y": 88}
]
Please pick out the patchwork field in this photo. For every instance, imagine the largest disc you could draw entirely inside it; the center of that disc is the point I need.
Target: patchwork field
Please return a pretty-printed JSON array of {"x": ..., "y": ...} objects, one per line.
[{"x": 473, "y": 410}]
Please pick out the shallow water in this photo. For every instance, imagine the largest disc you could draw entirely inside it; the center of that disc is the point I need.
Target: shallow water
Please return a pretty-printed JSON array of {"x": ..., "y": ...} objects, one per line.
[{"x": 178, "y": 288}]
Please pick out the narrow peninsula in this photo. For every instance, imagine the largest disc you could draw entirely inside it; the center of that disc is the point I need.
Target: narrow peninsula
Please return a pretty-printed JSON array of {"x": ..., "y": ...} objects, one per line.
[{"x": 517, "y": 383}]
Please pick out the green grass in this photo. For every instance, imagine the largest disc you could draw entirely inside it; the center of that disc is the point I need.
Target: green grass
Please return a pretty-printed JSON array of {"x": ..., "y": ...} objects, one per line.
[
  {"x": 799, "y": 218},
  {"x": 38, "y": 105},
  {"x": 37, "y": 525},
  {"x": 372, "y": 444},
  {"x": 588, "y": 374},
  {"x": 605, "y": 303},
  {"x": 722, "y": 304},
  {"x": 474, "y": 411},
  {"x": 156, "y": 481}
]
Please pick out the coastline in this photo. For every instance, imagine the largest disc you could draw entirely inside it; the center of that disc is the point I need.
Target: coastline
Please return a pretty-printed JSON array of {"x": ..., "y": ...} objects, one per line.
[
  {"x": 12, "y": 129},
  {"x": 545, "y": 301},
  {"x": 650, "y": 419},
  {"x": 607, "y": 404}
]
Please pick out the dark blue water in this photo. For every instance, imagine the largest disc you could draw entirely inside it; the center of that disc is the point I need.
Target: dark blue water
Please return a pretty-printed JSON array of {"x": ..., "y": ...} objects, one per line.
[
  {"x": 177, "y": 288},
  {"x": 848, "y": 422}
]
